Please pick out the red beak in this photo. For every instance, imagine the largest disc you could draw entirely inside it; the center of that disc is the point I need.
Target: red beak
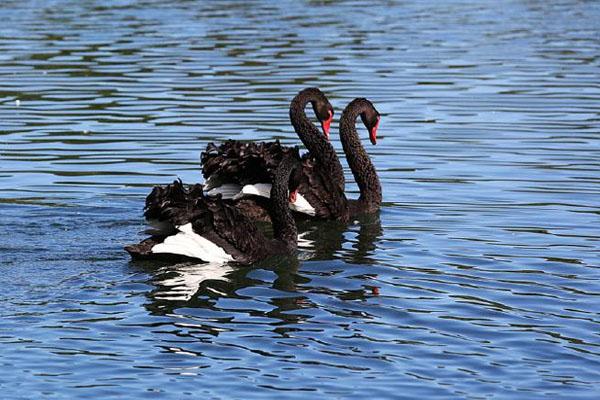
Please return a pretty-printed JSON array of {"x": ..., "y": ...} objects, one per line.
[
  {"x": 373, "y": 133},
  {"x": 327, "y": 124},
  {"x": 293, "y": 196}
]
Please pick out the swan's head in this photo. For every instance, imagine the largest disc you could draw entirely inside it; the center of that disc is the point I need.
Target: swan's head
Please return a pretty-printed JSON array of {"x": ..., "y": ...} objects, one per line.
[
  {"x": 324, "y": 112},
  {"x": 370, "y": 117}
]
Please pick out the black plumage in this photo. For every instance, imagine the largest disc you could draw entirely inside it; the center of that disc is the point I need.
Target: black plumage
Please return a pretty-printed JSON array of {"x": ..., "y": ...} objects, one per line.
[
  {"x": 321, "y": 177},
  {"x": 220, "y": 221},
  {"x": 361, "y": 165}
]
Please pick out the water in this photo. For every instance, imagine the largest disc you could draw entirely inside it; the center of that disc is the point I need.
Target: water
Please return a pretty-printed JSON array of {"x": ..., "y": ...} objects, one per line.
[{"x": 479, "y": 279}]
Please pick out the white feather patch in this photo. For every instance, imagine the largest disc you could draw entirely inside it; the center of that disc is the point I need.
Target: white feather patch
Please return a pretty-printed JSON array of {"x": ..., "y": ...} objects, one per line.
[
  {"x": 188, "y": 243},
  {"x": 301, "y": 205},
  {"x": 227, "y": 191},
  {"x": 258, "y": 189}
]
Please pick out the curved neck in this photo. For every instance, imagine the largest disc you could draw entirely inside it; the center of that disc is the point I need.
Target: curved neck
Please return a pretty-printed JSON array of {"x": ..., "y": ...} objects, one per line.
[
  {"x": 362, "y": 168},
  {"x": 312, "y": 138},
  {"x": 284, "y": 226}
]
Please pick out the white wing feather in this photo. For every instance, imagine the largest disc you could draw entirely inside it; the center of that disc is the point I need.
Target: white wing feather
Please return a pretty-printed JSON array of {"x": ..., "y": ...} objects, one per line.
[{"x": 188, "y": 243}]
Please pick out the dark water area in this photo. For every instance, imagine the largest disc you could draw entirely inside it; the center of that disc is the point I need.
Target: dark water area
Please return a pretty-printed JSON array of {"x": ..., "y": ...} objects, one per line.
[{"x": 479, "y": 278}]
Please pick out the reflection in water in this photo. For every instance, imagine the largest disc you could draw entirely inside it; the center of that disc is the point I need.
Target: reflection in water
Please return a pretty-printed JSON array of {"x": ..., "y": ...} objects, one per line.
[
  {"x": 181, "y": 282},
  {"x": 327, "y": 239}
]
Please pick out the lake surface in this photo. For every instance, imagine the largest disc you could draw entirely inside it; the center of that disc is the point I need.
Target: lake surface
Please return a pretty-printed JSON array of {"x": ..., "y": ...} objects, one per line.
[{"x": 479, "y": 279}]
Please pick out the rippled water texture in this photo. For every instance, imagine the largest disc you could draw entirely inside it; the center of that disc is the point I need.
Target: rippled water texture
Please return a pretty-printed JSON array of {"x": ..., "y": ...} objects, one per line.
[{"x": 479, "y": 279}]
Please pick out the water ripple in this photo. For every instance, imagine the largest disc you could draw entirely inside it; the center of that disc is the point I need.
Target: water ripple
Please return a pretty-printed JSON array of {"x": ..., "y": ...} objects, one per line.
[{"x": 478, "y": 279}]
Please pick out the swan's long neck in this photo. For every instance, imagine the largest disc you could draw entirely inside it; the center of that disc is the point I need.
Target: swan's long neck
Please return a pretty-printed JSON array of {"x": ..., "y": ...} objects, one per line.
[
  {"x": 314, "y": 140},
  {"x": 284, "y": 226},
  {"x": 362, "y": 168}
]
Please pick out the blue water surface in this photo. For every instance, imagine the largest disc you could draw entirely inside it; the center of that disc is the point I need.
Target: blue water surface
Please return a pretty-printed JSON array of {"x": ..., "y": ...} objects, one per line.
[{"x": 479, "y": 279}]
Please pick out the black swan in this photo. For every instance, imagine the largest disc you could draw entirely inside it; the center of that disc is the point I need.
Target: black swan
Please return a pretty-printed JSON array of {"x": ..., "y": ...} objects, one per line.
[
  {"x": 362, "y": 168},
  {"x": 240, "y": 171},
  {"x": 321, "y": 185},
  {"x": 213, "y": 230}
]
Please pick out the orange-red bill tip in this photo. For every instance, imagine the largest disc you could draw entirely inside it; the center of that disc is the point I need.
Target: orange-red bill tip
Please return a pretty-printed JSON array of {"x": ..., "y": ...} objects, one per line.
[
  {"x": 373, "y": 133},
  {"x": 326, "y": 125}
]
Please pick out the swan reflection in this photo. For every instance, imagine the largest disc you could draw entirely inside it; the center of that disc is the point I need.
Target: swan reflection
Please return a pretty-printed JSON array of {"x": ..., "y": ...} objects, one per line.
[
  {"x": 355, "y": 242},
  {"x": 180, "y": 282},
  {"x": 200, "y": 284}
]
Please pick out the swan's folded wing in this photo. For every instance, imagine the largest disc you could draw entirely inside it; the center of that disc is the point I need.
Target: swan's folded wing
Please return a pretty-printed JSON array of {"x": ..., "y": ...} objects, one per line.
[
  {"x": 212, "y": 218},
  {"x": 237, "y": 234},
  {"x": 241, "y": 163},
  {"x": 213, "y": 231},
  {"x": 188, "y": 243},
  {"x": 174, "y": 204}
]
